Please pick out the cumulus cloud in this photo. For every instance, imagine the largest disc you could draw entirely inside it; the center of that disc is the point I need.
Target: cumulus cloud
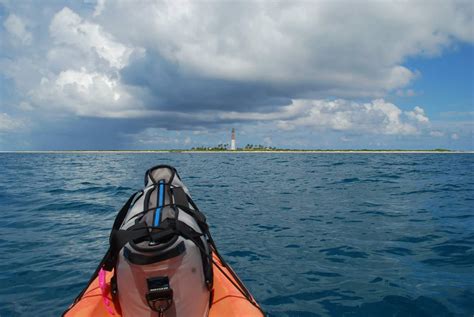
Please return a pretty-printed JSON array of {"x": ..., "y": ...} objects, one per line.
[
  {"x": 8, "y": 123},
  {"x": 376, "y": 117},
  {"x": 81, "y": 75},
  {"x": 86, "y": 93},
  {"x": 194, "y": 65},
  {"x": 68, "y": 28},
  {"x": 320, "y": 47},
  {"x": 249, "y": 56},
  {"x": 99, "y": 7},
  {"x": 418, "y": 114},
  {"x": 17, "y": 29}
]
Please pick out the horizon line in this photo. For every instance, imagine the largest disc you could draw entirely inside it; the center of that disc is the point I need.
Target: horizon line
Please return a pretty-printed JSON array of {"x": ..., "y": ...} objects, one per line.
[{"x": 248, "y": 151}]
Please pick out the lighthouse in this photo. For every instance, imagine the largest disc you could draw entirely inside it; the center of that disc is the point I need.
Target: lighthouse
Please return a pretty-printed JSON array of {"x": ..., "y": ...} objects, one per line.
[{"x": 232, "y": 142}]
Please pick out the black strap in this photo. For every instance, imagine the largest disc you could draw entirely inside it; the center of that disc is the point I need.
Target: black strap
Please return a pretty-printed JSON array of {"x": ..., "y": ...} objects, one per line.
[
  {"x": 157, "y": 237},
  {"x": 146, "y": 201},
  {"x": 180, "y": 197},
  {"x": 184, "y": 202},
  {"x": 197, "y": 215},
  {"x": 136, "y": 234},
  {"x": 159, "y": 241},
  {"x": 191, "y": 202},
  {"x": 123, "y": 211},
  {"x": 119, "y": 238},
  {"x": 141, "y": 259},
  {"x": 111, "y": 255}
]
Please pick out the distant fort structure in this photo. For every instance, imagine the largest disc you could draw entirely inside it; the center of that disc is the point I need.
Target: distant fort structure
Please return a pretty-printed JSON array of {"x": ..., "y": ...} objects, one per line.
[{"x": 232, "y": 142}]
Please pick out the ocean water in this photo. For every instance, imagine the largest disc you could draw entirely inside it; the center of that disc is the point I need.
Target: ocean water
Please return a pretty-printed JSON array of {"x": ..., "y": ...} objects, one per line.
[{"x": 309, "y": 234}]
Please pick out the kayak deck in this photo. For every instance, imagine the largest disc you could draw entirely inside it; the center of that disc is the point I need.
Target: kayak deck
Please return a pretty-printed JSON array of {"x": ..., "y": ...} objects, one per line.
[{"x": 227, "y": 300}]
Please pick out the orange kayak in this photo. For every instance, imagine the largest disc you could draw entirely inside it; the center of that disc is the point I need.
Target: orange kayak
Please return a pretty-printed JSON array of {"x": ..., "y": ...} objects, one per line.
[{"x": 227, "y": 299}]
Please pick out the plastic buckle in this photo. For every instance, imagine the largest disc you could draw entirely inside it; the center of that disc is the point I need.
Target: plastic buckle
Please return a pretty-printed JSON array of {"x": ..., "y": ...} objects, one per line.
[{"x": 160, "y": 294}]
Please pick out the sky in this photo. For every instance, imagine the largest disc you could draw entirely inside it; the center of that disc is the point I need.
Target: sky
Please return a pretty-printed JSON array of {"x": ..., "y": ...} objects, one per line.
[{"x": 101, "y": 75}]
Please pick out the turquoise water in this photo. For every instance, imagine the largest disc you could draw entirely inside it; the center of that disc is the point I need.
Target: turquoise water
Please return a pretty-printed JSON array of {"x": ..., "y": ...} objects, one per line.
[{"x": 310, "y": 234}]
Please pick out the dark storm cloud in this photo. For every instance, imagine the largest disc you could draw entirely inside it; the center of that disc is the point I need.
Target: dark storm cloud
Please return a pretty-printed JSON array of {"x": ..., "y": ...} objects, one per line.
[{"x": 169, "y": 87}]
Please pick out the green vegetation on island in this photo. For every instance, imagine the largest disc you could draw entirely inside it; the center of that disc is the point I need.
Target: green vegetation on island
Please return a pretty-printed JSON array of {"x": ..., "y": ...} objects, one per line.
[
  {"x": 264, "y": 148},
  {"x": 248, "y": 147}
]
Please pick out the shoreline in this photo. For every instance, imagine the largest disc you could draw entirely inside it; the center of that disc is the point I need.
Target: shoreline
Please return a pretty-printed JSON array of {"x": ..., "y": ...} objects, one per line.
[{"x": 240, "y": 152}]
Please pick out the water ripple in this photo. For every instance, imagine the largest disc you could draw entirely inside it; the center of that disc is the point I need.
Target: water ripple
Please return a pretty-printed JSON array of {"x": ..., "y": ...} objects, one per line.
[{"x": 310, "y": 235}]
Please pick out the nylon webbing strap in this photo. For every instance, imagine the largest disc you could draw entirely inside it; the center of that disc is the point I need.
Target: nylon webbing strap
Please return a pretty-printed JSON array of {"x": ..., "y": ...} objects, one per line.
[
  {"x": 119, "y": 238},
  {"x": 197, "y": 215},
  {"x": 183, "y": 201},
  {"x": 180, "y": 197},
  {"x": 140, "y": 259},
  {"x": 110, "y": 256},
  {"x": 123, "y": 212}
]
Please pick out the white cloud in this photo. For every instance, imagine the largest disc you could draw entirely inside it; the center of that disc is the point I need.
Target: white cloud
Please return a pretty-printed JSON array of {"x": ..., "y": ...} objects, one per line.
[
  {"x": 313, "y": 57},
  {"x": 418, "y": 114},
  {"x": 437, "y": 133},
  {"x": 299, "y": 50},
  {"x": 99, "y": 8},
  {"x": 68, "y": 28},
  {"x": 377, "y": 116},
  {"x": 455, "y": 136},
  {"x": 9, "y": 124},
  {"x": 86, "y": 93},
  {"x": 340, "y": 48},
  {"x": 17, "y": 29},
  {"x": 82, "y": 72}
]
